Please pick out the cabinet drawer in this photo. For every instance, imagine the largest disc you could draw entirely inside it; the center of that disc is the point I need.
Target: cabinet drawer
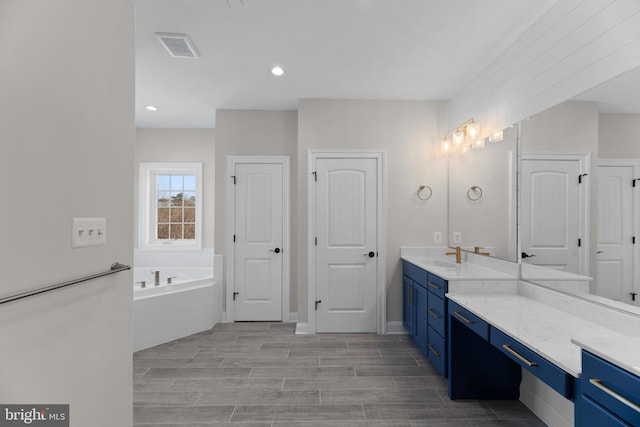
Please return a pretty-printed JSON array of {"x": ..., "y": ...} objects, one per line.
[
  {"x": 590, "y": 414},
  {"x": 469, "y": 319},
  {"x": 437, "y": 285},
  {"x": 436, "y": 350},
  {"x": 436, "y": 314},
  {"x": 546, "y": 371},
  {"x": 417, "y": 274},
  {"x": 614, "y": 388}
]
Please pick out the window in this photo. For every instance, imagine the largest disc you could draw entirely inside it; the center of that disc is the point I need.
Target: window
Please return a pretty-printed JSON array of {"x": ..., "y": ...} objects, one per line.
[{"x": 171, "y": 205}]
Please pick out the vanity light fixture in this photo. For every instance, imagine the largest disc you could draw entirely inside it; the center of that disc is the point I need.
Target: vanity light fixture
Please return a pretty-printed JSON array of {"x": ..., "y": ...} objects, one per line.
[
  {"x": 466, "y": 132},
  {"x": 496, "y": 136}
]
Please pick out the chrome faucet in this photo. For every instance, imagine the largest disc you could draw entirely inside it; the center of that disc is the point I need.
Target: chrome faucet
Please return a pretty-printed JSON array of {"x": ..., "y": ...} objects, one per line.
[
  {"x": 169, "y": 279},
  {"x": 142, "y": 283},
  {"x": 156, "y": 277},
  {"x": 456, "y": 253}
]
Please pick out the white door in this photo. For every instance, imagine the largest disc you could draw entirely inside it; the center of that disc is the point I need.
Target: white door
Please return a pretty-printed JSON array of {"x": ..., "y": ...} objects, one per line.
[
  {"x": 550, "y": 220},
  {"x": 347, "y": 253},
  {"x": 615, "y": 232},
  {"x": 258, "y": 249}
]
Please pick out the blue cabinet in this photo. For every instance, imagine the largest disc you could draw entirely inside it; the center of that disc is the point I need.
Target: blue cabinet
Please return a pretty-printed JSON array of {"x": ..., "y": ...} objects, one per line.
[
  {"x": 609, "y": 395},
  {"x": 424, "y": 313},
  {"x": 553, "y": 376}
]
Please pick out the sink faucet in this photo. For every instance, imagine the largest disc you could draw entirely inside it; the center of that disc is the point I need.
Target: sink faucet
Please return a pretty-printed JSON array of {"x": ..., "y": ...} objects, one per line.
[
  {"x": 476, "y": 250},
  {"x": 156, "y": 277},
  {"x": 457, "y": 254}
]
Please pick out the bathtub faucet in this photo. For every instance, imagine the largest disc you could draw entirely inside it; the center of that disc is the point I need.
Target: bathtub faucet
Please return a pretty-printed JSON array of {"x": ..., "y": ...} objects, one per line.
[{"x": 156, "y": 277}]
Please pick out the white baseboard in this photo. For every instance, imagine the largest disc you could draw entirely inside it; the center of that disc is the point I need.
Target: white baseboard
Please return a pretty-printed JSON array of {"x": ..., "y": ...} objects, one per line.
[
  {"x": 302, "y": 328},
  {"x": 395, "y": 327},
  {"x": 546, "y": 403}
]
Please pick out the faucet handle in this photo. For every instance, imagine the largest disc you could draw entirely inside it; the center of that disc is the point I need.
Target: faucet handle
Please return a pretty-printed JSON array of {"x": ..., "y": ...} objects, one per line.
[
  {"x": 169, "y": 279},
  {"x": 142, "y": 283}
]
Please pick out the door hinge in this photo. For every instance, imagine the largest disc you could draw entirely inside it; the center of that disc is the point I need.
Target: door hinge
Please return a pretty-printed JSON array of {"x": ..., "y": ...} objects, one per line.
[
  {"x": 315, "y": 176},
  {"x": 234, "y": 238},
  {"x": 234, "y": 179},
  {"x": 316, "y": 241},
  {"x": 633, "y": 240},
  {"x": 633, "y": 181},
  {"x": 580, "y": 177},
  {"x": 579, "y": 243}
]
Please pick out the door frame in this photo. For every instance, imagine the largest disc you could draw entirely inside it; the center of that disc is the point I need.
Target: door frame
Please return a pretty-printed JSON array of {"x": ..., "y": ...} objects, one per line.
[
  {"x": 229, "y": 285},
  {"x": 635, "y": 209},
  {"x": 381, "y": 283},
  {"x": 584, "y": 163}
]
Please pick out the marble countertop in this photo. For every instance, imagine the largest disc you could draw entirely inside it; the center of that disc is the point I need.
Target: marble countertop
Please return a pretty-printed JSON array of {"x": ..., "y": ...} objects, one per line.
[
  {"x": 623, "y": 352},
  {"x": 550, "y": 332},
  {"x": 447, "y": 268}
]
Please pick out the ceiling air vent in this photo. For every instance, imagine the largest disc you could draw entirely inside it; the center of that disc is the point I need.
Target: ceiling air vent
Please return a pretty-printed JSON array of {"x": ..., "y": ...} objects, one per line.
[{"x": 178, "y": 45}]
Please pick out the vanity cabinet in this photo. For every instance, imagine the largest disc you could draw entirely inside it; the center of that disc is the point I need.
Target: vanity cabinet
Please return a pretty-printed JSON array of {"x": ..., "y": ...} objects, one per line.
[
  {"x": 424, "y": 313},
  {"x": 609, "y": 395}
]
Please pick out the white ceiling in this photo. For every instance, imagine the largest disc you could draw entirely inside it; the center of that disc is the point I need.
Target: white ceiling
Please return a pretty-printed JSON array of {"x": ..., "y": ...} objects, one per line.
[
  {"x": 620, "y": 95},
  {"x": 345, "y": 49}
]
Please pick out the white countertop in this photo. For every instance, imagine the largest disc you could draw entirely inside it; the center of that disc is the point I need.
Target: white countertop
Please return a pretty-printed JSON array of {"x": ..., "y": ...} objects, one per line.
[
  {"x": 548, "y": 331},
  {"x": 449, "y": 270},
  {"x": 623, "y": 352}
]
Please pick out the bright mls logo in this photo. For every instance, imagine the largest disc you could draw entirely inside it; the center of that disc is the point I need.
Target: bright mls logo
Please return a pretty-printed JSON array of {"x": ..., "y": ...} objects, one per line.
[{"x": 34, "y": 415}]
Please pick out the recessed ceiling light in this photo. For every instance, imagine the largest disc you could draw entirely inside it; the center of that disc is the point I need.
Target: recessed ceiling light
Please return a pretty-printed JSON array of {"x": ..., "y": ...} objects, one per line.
[
  {"x": 151, "y": 108},
  {"x": 277, "y": 71}
]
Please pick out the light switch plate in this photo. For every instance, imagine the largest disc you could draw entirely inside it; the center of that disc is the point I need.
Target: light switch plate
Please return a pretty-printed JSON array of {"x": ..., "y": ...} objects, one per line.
[
  {"x": 457, "y": 237},
  {"x": 88, "y": 232},
  {"x": 437, "y": 237}
]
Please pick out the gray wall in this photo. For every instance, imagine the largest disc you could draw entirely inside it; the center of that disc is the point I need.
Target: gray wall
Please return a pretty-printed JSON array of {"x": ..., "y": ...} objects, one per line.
[
  {"x": 66, "y": 141},
  {"x": 409, "y": 132},
  {"x": 619, "y": 136},
  {"x": 180, "y": 145},
  {"x": 247, "y": 132}
]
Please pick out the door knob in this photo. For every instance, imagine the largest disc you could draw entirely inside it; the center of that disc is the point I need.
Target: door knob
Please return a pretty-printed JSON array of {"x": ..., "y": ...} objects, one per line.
[
  {"x": 526, "y": 255},
  {"x": 370, "y": 254},
  {"x": 276, "y": 250}
]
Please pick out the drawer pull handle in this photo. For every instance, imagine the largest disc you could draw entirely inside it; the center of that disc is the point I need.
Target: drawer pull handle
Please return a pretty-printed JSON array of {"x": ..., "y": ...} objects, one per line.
[
  {"x": 596, "y": 382},
  {"x": 433, "y": 350},
  {"x": 434, "y": 286},
  {"x": 515, "y": 353},
  {"x": 457, "y": 313},
  {"x": 434, "y": 314}
]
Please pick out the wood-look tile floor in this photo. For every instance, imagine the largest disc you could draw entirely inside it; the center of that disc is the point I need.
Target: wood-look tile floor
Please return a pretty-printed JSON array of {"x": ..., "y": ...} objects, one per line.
[{"x": 263, "y": 375}]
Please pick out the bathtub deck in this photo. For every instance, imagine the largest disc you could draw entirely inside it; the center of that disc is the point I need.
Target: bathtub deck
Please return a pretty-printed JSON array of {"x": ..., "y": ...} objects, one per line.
[{"x": 262, "y": 375}]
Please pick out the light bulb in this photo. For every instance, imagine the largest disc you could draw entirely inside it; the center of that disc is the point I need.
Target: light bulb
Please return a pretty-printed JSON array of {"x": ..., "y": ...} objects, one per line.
[
  {"x": 457, "y": 137},
  {"x": 473, "y": 130},
  {"x": 277, "y": 71}
]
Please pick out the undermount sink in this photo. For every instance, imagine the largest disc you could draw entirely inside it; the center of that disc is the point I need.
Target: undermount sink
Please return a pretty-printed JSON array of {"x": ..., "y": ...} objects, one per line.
[{"x": 444, "y": 264}]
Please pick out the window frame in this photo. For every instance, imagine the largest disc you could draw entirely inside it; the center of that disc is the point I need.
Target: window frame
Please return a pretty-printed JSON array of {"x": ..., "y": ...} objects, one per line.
[{"x": 148, "y": 212}]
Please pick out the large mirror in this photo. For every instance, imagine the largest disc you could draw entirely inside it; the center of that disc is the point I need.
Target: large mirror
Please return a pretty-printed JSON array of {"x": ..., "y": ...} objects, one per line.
[
  {"x": 579, "y": 207},
  {"x": 482, "y": 195}
]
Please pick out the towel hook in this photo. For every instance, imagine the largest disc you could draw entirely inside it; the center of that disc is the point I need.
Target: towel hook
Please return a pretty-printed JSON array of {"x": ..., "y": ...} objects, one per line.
[{"x": 424, "y": 192}]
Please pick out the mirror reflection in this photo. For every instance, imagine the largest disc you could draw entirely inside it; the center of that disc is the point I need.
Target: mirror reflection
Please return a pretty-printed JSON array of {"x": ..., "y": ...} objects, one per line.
[
  {"x": 579, "y": 163},
  {"x": 482, "y": 196}
]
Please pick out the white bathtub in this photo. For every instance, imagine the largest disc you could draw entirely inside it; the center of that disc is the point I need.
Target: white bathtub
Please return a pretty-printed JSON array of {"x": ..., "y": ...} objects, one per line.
[{"x": 191, "y": 303}]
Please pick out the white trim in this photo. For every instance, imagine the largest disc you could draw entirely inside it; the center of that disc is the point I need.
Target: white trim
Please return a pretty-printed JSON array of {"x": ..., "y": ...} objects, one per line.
[
  {"x": 584, "y": 163},
  {"x": 395, "y": 327},
  {"x": 286, "y": 231},
  {"x": 147, "y": 186},
  {"x": 302, "y": 328},
  {"x": 381, "y": 305}
]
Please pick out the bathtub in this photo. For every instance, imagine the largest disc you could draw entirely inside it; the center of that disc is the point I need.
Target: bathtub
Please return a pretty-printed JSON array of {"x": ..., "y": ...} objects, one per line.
[{"x": 191, "y": 303}]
